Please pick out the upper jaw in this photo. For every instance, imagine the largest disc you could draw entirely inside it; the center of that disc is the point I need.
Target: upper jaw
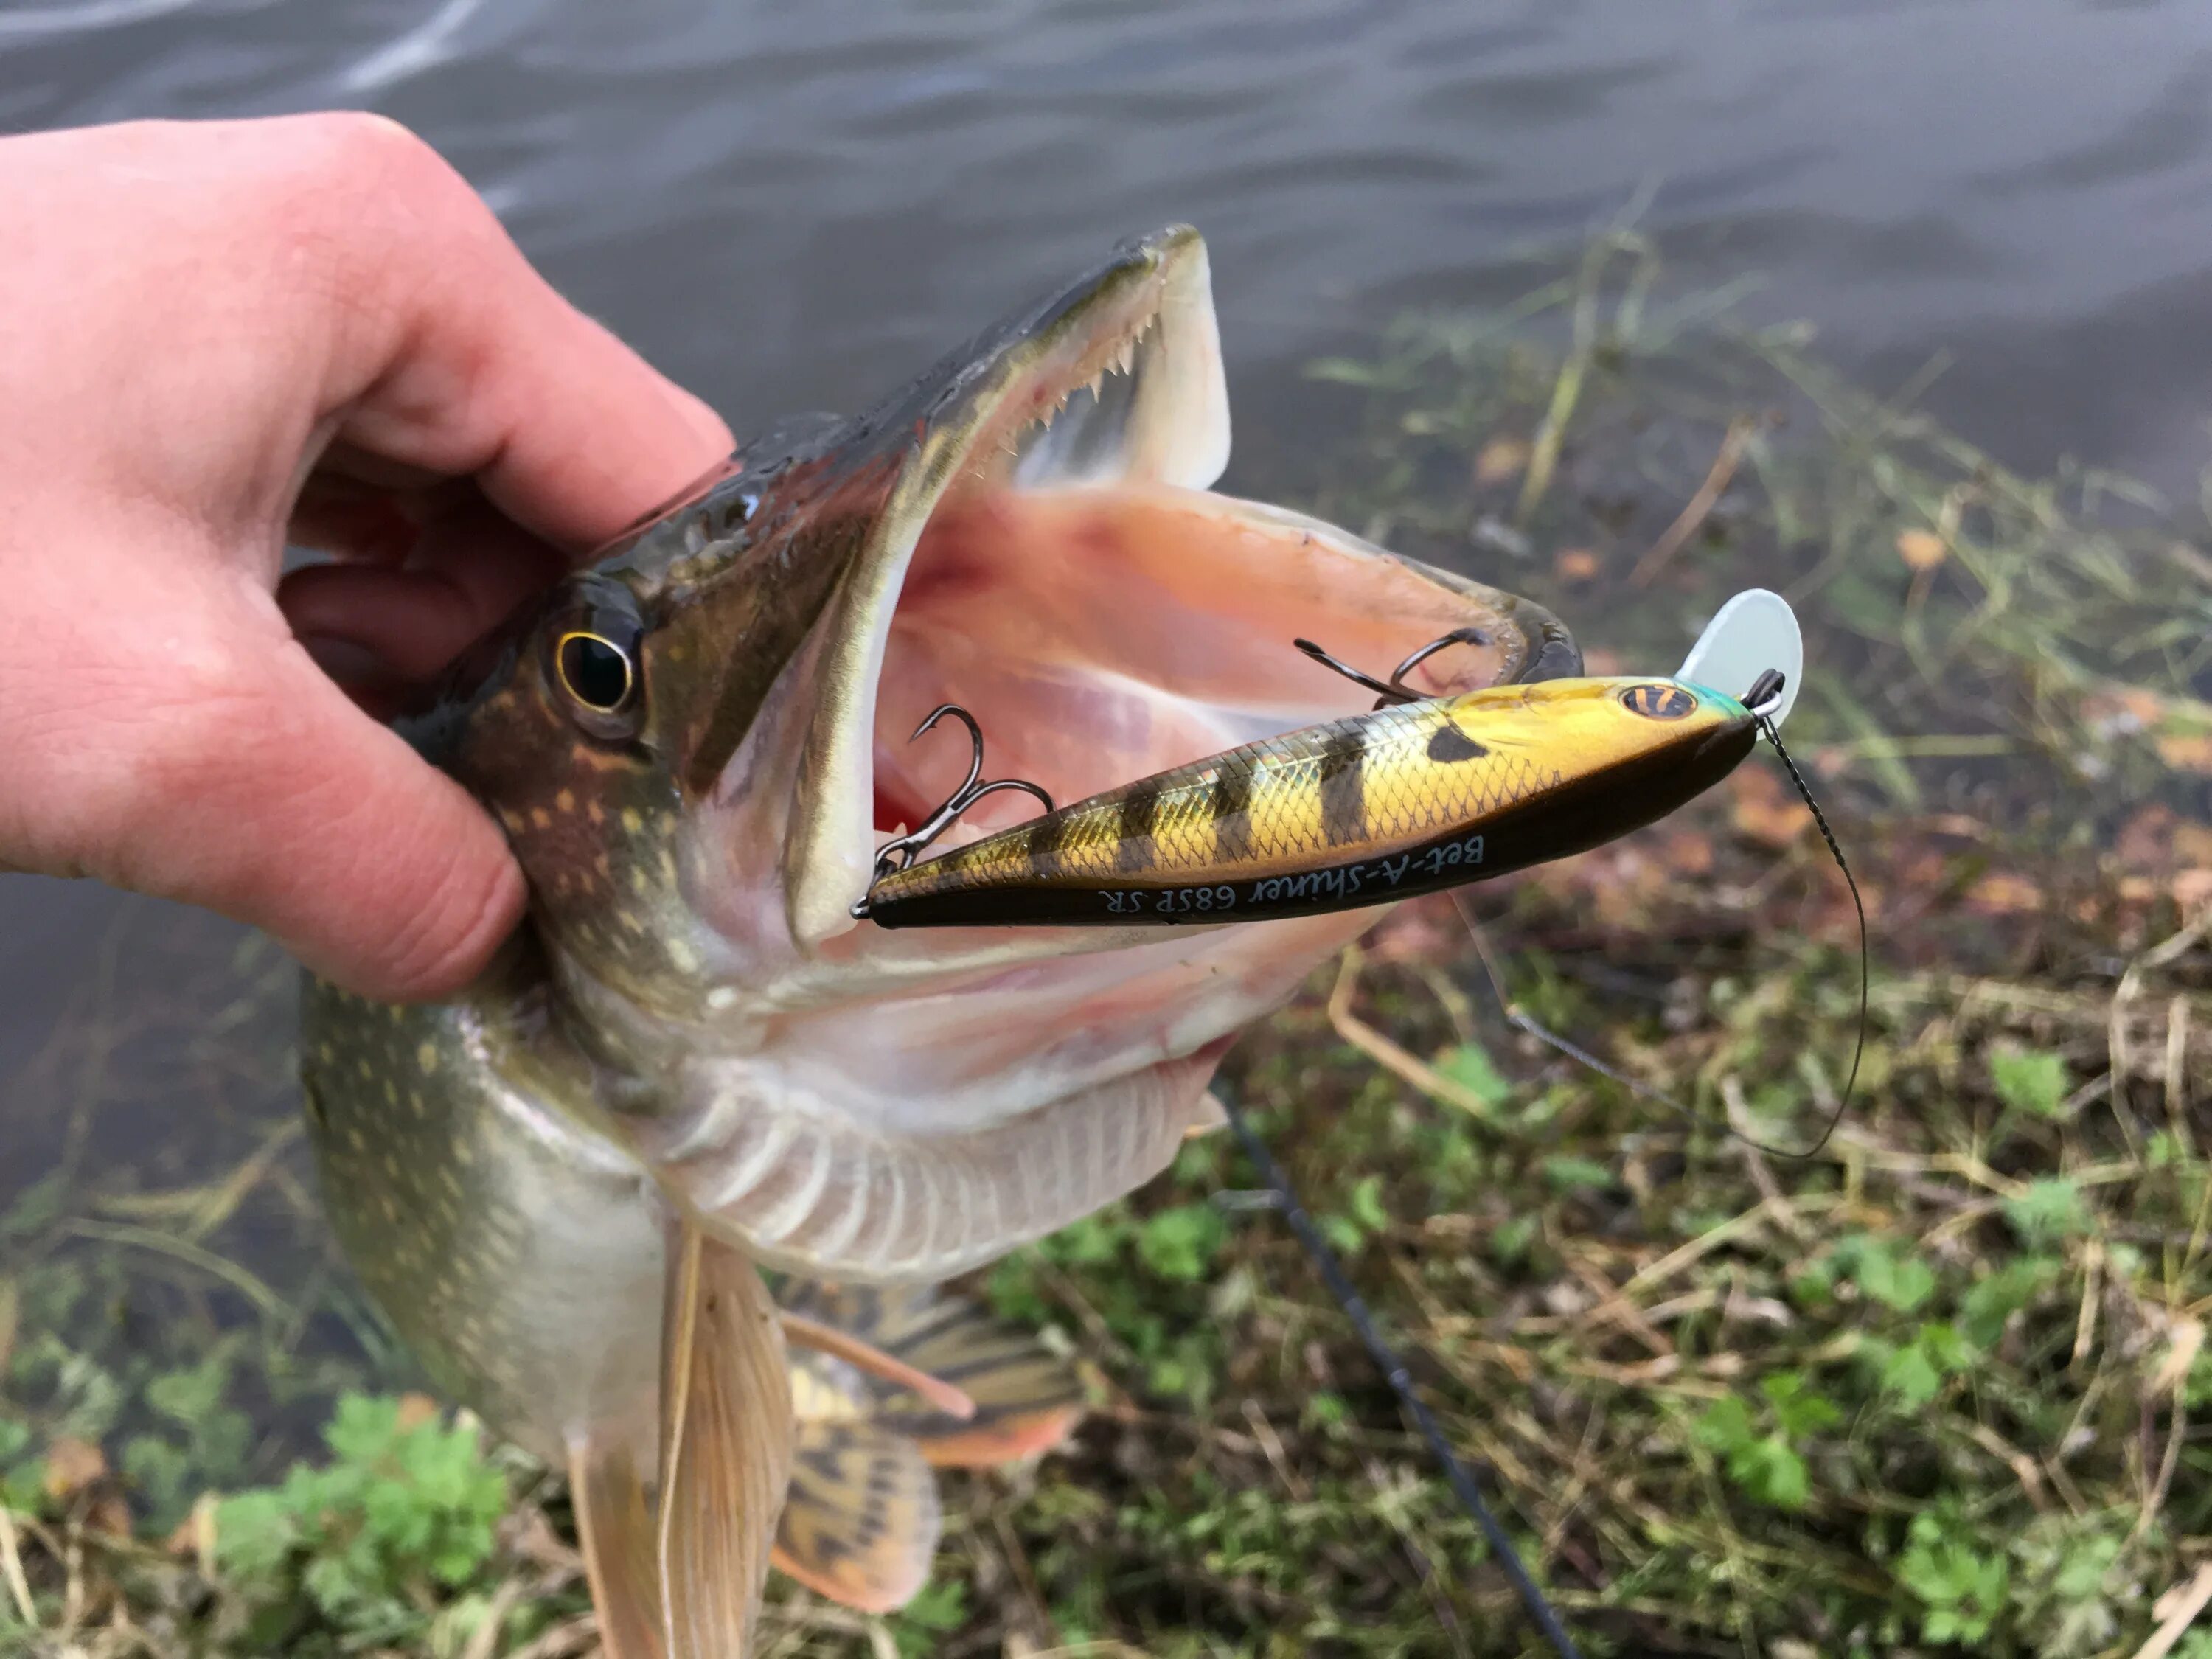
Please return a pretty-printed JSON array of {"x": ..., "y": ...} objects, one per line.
[{"x": 1117, "y": 377}]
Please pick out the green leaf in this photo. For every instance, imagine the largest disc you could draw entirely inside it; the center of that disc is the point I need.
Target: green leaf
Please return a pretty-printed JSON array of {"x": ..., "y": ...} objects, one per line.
[
  {"x": 2029, "y": 1080},
  {"x": 1469, "y": 1065},
  {"x": 1961, "y": 1589},
  {"x": 1511, "y": 1239},
  {"x": 1180, "y": 1243},
  {"x": 920, "y": 1626},
  {"x": 1992, "y": 1300},
  {"x": 1916, "y": 1372},
  {"x": 1800, "y": 1407},
  {"x": 1911, "y": 1377},
  {"x": 2051, "y": 1209},
  {"x": 1770, "y": 1473},
  {"x": 253, "y": 1533},
  {"x": 1725, "y": 1426},
  {"x": 1568, "y": 1174},
  {"x": 1901, "y": 1283},
  {"x": 1367, "y": 1204},
  {"x": 189, "y": 1395}
]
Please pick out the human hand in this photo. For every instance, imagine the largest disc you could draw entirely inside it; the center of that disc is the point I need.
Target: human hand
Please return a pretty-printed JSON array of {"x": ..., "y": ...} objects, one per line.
[{"x": 213, "y": 336}]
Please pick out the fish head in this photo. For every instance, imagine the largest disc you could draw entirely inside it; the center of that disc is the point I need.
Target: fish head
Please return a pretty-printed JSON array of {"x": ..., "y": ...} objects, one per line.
[{"x": 698, "y": 743}]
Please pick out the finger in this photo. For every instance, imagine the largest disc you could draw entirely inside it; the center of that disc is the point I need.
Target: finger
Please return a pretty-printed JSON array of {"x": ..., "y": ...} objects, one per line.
[
  {"x": 453, "y": 355},
  {"x": 468, "y": 573},
  {"x": 236, "y": 776}
]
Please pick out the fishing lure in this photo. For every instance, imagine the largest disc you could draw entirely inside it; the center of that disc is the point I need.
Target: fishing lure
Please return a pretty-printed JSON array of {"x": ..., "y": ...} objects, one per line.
[{"x": 1422, "y": 793}]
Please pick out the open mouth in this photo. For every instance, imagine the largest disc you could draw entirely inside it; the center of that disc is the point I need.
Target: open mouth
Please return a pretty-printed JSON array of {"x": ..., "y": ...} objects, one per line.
[{"x": 1051, "y": 559}]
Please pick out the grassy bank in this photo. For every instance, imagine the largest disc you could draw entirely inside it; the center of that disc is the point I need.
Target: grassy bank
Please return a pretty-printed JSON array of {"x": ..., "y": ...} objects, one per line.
[{"x": 1937, "y": 1387}]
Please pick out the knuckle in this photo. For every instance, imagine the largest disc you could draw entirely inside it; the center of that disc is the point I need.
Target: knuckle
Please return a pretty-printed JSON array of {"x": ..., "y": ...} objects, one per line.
[{"x": 361, "y": 149}]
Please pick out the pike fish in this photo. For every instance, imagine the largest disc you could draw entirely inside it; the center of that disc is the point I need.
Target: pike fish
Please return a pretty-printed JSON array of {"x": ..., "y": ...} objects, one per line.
[{"x": 691, "y": 1061}]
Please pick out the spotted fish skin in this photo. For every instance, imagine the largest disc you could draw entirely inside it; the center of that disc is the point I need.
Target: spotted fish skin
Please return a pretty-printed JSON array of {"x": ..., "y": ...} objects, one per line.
[
  {"x": 517, "y": 1248},
  {"x": 1361, "y": 810}
]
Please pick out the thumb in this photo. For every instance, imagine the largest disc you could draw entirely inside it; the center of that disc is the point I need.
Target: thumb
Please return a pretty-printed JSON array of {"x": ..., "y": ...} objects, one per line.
[{"x": 252, "y": 785}]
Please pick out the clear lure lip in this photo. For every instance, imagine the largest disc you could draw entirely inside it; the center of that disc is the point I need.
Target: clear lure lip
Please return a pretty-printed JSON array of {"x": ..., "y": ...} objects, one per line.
[{"x": 1753, "y": 633}]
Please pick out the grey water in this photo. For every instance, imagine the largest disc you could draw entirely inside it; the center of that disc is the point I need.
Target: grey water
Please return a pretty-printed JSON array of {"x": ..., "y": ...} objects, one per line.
[{"x": 797, "y": 205}]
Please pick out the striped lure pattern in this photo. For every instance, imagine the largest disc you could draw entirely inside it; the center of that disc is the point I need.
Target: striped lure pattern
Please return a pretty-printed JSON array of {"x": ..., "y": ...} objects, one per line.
[{"x": 1356, "y": 812}]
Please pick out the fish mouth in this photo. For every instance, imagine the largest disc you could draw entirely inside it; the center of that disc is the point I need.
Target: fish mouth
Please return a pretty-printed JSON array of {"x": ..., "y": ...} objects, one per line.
[
  {"x": 1029, "y": 533},
  {"x": 1051, "y": 558}
]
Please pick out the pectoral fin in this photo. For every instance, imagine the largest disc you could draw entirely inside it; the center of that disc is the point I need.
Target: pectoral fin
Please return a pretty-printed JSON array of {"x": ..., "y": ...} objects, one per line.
[
  {"x": 726, "y": 1445},
  {"x": 614, "y": 1522},
  {"x": 1026, "y": 1399},
  {"x": 862, "y": 1521}
]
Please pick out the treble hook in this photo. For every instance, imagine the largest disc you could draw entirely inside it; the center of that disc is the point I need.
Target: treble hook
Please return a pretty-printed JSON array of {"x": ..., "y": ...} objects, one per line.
[
  {"x": 1395, "y": 692},
  {"x": 900, "y": 852}
]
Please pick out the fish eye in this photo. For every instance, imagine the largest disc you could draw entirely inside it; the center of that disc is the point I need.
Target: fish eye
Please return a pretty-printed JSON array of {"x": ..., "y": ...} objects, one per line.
[
  {"x": 1657, "y": 701},
  {"x": 595, "y": 662},
  {"x": 595, "y": 670}
]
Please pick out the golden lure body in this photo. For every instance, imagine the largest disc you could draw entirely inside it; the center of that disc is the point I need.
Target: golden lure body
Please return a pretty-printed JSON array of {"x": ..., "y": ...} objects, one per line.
[{"x": 1355, "y": 811}]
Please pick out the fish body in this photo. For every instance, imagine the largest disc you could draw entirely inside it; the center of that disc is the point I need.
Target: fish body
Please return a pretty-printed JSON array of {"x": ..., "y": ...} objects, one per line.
[
  {"x": 1357, "y": 811},
  {"x": 691, "y": 1061}
]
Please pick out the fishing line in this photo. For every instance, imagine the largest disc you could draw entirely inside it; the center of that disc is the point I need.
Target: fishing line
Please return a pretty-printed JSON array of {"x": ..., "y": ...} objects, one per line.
[
  {"x": 1763, "y": 695},
  {"x": 1394, "y": 1369}
]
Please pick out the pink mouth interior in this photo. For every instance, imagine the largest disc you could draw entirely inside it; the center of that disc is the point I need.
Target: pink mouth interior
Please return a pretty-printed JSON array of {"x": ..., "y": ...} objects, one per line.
[{"x": 1100, "y": 635}]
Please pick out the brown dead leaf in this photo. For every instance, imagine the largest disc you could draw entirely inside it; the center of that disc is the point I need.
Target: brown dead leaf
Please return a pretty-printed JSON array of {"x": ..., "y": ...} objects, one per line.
[
  {"x": 2001, "y": 893},
  {"x": 1501, "y": 459},
  {"x": 415, "y": 1410},
  {"x": 109, "y": 1515},
  {"x": 1688, "y": 853},
  {"x": 194, "y": 1538},
  {"x": 2187, "y": 751},
  {"x": 2192, "y": 893},
  {"x": 1763, "y": 810},
  {"x": 2180, "y": 727},
  {"x": 1924, "y": 549},
  {"x": 71, "y": 1466},
  {"x": 1576, "y": 564}
]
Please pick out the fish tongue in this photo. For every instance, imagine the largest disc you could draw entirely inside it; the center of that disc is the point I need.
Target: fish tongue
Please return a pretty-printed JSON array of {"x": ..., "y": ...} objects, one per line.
[{"x": 726, "y": 1444}]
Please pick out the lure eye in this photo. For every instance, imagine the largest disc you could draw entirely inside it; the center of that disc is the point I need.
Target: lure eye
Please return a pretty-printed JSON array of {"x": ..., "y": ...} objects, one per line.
[
  {"x": 1657, "y": 701},
  {"x": 596, "y": 671}
]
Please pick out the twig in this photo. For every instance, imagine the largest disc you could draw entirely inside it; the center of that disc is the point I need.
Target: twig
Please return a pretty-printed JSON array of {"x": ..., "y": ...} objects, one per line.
[
  {"x": 1700, "y": 505},
  {"x": 2116, "y": 1027},
  {"x": 1272, "y": 1445},
  {"x": 483, "y": 1641},
  {"x": 11, "y": 1560},
  {"x": 1407, "y": 1068},
  {"x": 2183, "y": 1603}
]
